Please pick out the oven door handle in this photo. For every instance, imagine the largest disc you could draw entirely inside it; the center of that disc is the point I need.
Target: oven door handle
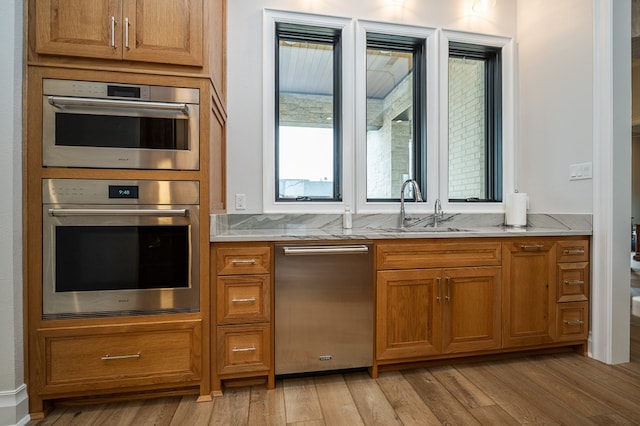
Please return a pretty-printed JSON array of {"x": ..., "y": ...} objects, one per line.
[
  {"x": 63, "y": 101},
  {"x": 118, "y": 212}
]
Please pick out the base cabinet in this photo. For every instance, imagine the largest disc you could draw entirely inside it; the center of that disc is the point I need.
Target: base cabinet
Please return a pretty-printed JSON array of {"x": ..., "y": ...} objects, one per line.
[
  {"x": 546, "y": 291},
  {"x": 451, "y": 298},
  {"x": 242, "y": 282},
  {"x": 423, "y": 312},
  {"x": 431, "y": 311}
]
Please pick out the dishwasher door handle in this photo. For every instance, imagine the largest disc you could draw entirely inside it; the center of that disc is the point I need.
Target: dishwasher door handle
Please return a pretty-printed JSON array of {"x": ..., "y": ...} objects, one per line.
[{"x": 329, "y": 249}]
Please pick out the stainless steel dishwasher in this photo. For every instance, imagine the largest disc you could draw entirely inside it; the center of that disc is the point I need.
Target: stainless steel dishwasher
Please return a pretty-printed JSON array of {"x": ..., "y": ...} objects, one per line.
[{"x": 323, "y": 307}]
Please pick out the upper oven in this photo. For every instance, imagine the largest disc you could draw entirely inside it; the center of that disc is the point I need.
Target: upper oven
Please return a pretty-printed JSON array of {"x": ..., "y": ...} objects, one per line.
[{"x": 105, "y": 125}]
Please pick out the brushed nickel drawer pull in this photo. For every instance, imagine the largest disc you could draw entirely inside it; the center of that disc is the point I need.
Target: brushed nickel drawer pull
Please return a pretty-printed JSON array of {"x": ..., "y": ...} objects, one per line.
[
  {"x": 251, "y": 349},
  {"x": 448, "y": 296},
  {"x": 532, "y": 247},
  {"x": 247, "y": 300},
  {"x": 243, "y": 261},
  {"x": 112, "y": 357},
  {"x": 576, "y": 322},
  {"x": 113, "y": 32},
  {"x": 573, "y": 251},
  {"x": 573, "y": 282},
  {"x": 126, "y": 33}
]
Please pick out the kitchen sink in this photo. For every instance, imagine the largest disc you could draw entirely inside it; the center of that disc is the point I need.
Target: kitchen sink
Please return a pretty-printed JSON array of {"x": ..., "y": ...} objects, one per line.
[{"x": 431, "y": 229}]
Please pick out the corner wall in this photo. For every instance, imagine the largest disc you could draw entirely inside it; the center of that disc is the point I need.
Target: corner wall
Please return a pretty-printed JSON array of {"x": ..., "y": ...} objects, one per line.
[
  {"x": 13, "y": 395},
  {"x": 555, "y": 102}
]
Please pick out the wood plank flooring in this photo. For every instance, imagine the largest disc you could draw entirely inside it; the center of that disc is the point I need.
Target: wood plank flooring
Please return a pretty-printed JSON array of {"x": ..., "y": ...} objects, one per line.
[{"x": 565, "y": 389}]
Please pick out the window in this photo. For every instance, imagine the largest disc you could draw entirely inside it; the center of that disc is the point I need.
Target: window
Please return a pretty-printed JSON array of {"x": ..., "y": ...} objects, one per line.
[
  {"x": 396, "y": 120},
  {"x": 475, "y": 123},
  {"x": 308, "y": 116}
]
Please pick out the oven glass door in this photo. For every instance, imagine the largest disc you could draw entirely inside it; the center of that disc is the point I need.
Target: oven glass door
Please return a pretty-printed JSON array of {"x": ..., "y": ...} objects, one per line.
[
  {"x": 118, "y": 131},
  {"x": 119, "y": 261},
  {"x": 92, "y": 258}
]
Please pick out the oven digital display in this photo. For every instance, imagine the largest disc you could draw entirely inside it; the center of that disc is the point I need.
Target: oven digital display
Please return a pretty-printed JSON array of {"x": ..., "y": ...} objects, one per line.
[{"x": 123, "y": 191}]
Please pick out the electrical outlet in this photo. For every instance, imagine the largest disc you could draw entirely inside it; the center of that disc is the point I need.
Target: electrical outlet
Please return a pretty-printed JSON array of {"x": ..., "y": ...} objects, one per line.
[
  {"x": 581, "y": 171},
  {"x": 241, "y": 201}
]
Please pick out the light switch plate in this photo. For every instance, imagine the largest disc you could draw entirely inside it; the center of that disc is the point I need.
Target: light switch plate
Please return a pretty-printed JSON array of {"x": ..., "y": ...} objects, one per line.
[
  {"x": 581, "y": 171},
  {"x": 241, "y": 201}
]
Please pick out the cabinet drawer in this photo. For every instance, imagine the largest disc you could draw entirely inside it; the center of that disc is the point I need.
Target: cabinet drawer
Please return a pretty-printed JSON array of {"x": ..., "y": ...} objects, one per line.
[
  {"x": 244, "y": 298},
  {"x": 243, "y": 349},
  {"x": 243, "y": 260},
  {"x": 573, "y": 251},
  {"x": 438, "y": 254},
  {"x": 572, "y": 321},
  {"x": 98, "y": 357},
  {"x": 573, "y": 282}
]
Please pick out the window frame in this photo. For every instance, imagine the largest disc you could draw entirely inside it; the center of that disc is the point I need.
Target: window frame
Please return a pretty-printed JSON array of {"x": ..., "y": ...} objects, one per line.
[
  {"x": 492, "y": 57},
  {"x": 427, "y": 94},
  {"x": 316, "y": 34},
  {"x": 269, "y": 183},
  {"x": 506, "y": 128},
  {"x": 417, "y": 46}
]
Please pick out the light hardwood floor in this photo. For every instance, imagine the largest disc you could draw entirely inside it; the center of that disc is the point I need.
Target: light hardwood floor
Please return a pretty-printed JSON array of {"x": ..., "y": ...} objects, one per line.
[{"x": 563, "y": 389}]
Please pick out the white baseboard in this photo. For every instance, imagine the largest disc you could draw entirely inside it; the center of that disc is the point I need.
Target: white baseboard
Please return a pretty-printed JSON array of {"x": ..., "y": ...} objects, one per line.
[{"x": 14, "y": 407}]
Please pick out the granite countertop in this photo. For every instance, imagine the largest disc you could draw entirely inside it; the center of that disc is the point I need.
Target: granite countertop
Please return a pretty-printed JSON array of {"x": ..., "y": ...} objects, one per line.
[{"x": 309, "y": 227}]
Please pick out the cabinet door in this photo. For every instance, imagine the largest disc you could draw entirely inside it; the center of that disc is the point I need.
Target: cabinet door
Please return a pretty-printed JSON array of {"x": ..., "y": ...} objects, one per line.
[
  {"x": 408, "y": 315},
  {"x": 165, "y": 31},
  {"x": 528, "y": 292},
  {"x": 471, "y": 309},
  {"x": 89, "y": 28}
]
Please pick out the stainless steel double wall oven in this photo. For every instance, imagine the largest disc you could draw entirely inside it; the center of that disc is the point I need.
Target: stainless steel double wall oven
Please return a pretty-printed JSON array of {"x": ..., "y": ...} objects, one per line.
[{"x": 120, "y": 246}]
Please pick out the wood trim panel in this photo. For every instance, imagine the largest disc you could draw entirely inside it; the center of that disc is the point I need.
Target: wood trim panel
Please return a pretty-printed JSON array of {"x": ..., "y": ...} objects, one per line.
[{"x": 437, "y": 254}]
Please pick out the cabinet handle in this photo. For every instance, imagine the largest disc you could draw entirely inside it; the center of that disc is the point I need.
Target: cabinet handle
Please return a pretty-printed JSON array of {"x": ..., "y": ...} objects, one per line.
[
  {"x": 251, "y": 349},
  {"x": 573, "y": 282},
  {"x": 126, "y": 32},
  {"x": 448, "y": 296},
  {"x": 532, "y": 247},
  {"x": 248, "y": 300},
  {"x": 113, "y": 32},
  {"x": 576, "y": 322},
  {"x": 243, "y": 261},
  {"x": 573, "y": 251},
  {"x": 112, "y": 357},
  {"x": 439, "y": 296}
]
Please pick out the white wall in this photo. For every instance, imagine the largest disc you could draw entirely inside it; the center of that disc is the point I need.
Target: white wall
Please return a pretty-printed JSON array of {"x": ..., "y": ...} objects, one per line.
[
  {"x": 13, "y": 402},
  {"x": 244, "y": 131},
  {"x": 555, "y": 63}
]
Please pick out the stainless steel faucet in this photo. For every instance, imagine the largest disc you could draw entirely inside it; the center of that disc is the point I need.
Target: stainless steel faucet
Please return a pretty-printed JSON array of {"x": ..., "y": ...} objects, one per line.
[{"x": 417, "y": 195}]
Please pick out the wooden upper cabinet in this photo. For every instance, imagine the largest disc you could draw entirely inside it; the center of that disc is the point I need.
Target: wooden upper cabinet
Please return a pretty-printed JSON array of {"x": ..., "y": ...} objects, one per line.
[
  {"x": 167, "y": 31},
  {"x": 78, "y": 28},
  {"x": 160, "y": 31}
]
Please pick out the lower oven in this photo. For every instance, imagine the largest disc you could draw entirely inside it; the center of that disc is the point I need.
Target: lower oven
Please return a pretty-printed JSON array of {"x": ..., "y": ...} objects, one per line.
[{"x": 119, "y": 247}]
